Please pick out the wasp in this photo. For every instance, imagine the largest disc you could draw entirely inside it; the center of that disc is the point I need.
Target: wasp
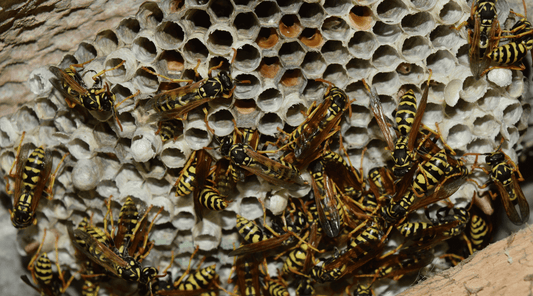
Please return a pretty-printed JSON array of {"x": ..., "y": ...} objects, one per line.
[
  {"x": 121, "y": 265},
  {"x": 409, "y": 118},
  {"x": 362, "y": 248},
  {"x": 201, "y": 282},
  {"x": 176, "y": 103},
  {"x": 248, "y": 276},
  {"x": 96, "y": 98},
  {"x": 478, "y": 232},
  {"x": 246, "y": 136},
  {"x": 31, "y": 176},
  {"x": 319, "y": 274},
  {"x": 445, "y": 227},
  {"x": 278, "y": 173},
  {"x": 326, "y": 199},
  {"x": 170, "y": 129},
  {"x": 342, "y": 174},
  {"x": 363, "y": 290},
  {"x": 515, "y": 50},
  {"x": 299, "y": 261},
  {"x": 249, "y": 230},
  {"x": 321, "y": 123},
  {"x": 305, "y": 287},
  {"x": 381, "y": 181},
  {"x": 505, "y": 175},
  {"x": 40, "y": 267},
  {"x": 408, "y": 260}
]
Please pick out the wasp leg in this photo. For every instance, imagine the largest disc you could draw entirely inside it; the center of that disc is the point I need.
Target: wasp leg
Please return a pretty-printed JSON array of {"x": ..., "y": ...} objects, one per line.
[{"x": 49, "y": 189}]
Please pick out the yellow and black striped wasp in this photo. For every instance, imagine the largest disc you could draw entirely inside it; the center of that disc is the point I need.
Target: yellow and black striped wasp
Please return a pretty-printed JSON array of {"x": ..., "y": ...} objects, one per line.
[
  {"x": 321, "y": 123},
  {"x": 122, "y": 265},
  {"x": 521, "y": 35},
  {"x": 31, "y": 176},
  {"x": 325, "y": 198},
  {"x": 406, "y": 261},
  {"x": 408, "y": 120},
  {"x": 280, "y": 173},
  {"x": 505, "y": 175},
  {"x": 247, "y": 271},
  {"x": 446, "y": 226},
  {"x": 97, "y": 98},
  {"x": 40, "y": 266},
  {"x": 176, "y": 103},
  {"x": 170, "y": 129}
]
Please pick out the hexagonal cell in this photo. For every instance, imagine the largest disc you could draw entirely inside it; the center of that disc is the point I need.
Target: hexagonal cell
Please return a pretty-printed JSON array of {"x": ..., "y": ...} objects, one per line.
[
  {"x": 337, "y": 7},
  {"x": 267, "y": 38},
  {"x": 313, "y": 64},
  {"x": 248, "y": 112},
  {"x": 362, "y": 45},
  {"x": 45, "y": 109},
  {"x": 149, "y": 15},
  {"x": 361, "y": 18},
  {"x": 214, "y": 61},
  {"x": 433, "y": 113},
  {"x": 268, "y": 12},
  {"x": 459, "y": 135},
  {"x": 441, "y": 62},
  {"x": 269, "y": 124},
  {"x": 311, "y": 37},
  {"x": 247, "y": 90},
  {"x": 292, "y": 78},
  {"x": 460, "y": 112},
  {"x": 291, "y": 54},
  {"x": 463, "y": 55},
  {"x": 444, "y": 36},
  {"x": 270, "y": 67},
  {"x": 221, "y": 121},
  {"x": 246, "y": 3},
  {"x": 391, "y": 11},
  {"x": 314, "y": 90},
  {"x": 197, "y": 20},
  {"x": 195, "y": 50},
  {"x": 450, "y": 13},
  {"x": 106, "y": 41},
  {"x": 173, "y": 61},
  {"x": 221, "y": 9},
  {"x": 85, "y": 52},
  {"x": 410, "y": 72},
  {"x": 358, "y": 68},
  {"x": 144, "y": 49},
  {"x": 485, "y": 126},
  {"x": 335, "y": 28},
  {"x": 415, "y": 48},
  {"x": 128, "y": 29},
  {"x": 289, "y": 6},
  {"x": 335, "y": 52},
  {"x": 512, "y": 113},
  {"x": 220, "y": 40},
  {"x": 289, "y": 26},
  {"x": 173, "y": 6},
  {"x": 423, "y": 4},
  {"x": 311, "y": 14},
  {"x": 196, "y": 134},
  {"x": 356, "y": 137},
  {"x": 386, "y": 58},
  {"x": 385, "y": 33},
  {"x": 386, "y": 83},
  {"x": 270, "y": 100},
  {"x": 292, "y": 110},
  {"x": 337, "y": 74},
  {"x": 145, "y": 82},
  {"x": 248, "y": 57},
  {"x": 247, "y": 25},
  {"x": 169, "y": 35},
  {"x": 473, "y": 89},
  {"x": 418, "y": 24}
]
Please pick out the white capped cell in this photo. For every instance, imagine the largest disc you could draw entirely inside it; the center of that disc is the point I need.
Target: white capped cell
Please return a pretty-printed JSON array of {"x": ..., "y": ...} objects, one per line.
[
  {"x": 86, "y": 174},
  {"x": 500, "y": 77}
]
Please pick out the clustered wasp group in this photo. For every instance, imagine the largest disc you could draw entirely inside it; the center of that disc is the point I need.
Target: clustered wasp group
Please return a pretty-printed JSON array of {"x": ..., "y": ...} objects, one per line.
[{"x": 337, "y": 233}]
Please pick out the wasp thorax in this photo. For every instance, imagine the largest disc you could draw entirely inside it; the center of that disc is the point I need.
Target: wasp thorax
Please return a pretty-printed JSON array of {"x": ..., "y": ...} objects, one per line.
[
  {"x": 238, "y": 155},
  {"x": 226, "y": 81},
  {"x": 494, "y": 158}
]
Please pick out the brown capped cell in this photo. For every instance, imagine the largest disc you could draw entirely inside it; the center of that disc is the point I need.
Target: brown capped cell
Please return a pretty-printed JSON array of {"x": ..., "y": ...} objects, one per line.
[
  {"x": 361, "y": 17},
  {"x": 290, "y": 26},
  {"x": 292, "y": 77},
  {"x": 311, "y": 37},
  {"x": 175, "y": 62},
  {"x": 268, "y": 37},
  {"x": 269, "y": 67},
  {"x": 245, "y": 106}
]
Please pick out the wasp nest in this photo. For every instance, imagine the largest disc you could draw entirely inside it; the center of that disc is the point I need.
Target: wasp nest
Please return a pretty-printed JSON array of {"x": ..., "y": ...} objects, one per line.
[{"x": 277, "y": 49}]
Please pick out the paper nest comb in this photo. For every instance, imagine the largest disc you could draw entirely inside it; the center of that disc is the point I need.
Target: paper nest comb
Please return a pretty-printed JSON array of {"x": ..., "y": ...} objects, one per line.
[{"x": 280, "y": 48}]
